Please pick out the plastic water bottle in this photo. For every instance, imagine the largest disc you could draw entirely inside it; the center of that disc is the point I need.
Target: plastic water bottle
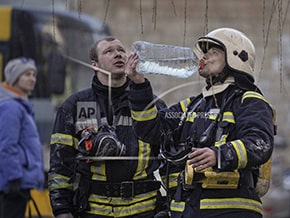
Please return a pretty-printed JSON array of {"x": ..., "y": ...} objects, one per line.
[{"x": 163, "y": 59}]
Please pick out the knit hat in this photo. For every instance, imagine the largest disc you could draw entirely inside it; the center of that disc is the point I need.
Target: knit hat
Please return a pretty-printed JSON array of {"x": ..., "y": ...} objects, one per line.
[{"x": 16, "y": 67}]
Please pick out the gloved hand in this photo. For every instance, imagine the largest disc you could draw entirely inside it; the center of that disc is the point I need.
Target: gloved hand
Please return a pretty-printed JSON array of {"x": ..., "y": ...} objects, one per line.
[
  {"x": 65, "y": 215},
  {"x": 14, "y": 186}
]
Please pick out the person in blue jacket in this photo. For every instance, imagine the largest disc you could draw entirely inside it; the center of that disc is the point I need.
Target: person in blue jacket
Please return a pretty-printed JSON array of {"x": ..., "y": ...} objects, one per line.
[
  {"x": 21, "y": 157},
  {"x": 220, "y": 138}
]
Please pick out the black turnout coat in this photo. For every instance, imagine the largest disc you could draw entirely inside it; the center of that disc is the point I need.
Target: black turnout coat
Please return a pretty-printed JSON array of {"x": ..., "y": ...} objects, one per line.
[
  {"x": 242, "y": 141},
  {"x": 95, "y": 186}
]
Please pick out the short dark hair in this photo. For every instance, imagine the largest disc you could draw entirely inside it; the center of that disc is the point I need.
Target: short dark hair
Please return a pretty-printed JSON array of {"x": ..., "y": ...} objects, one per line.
[{"x": 93, "y": 55}]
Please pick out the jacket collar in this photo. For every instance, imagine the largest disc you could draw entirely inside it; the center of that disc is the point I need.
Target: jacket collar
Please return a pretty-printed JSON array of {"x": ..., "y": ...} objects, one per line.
[
  {"x": 14, "y": 90},
  {"x": 215, "y": 89},
  {"x": 102, "y": 90}
]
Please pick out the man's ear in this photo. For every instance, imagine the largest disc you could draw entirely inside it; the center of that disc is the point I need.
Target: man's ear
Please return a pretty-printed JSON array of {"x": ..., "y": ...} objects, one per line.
[{"x": 94, "y": 63}]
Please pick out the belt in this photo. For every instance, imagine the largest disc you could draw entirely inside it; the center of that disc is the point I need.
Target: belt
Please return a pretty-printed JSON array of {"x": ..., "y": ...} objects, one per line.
[{"x": 125, "y": 189}]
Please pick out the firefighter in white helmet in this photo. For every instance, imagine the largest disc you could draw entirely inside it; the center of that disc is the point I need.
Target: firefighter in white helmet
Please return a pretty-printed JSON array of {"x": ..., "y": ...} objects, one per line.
[
  {"x": 225, "y": 136},
  {"x": 239, "y": 56}
]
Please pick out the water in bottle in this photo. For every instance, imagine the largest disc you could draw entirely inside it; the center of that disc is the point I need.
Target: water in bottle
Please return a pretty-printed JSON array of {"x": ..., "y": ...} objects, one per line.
[{"x": 163, "y": 59}]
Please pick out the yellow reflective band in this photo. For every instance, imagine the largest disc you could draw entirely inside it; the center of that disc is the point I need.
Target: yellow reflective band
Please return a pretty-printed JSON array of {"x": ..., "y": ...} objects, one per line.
[
  {"x": 212, "y": 116},
  {"x": 223, "y": 140},
  {"x": 118, "y": 207},
  {"x": 177, "y": 206},
  {"x": 144, "y": 115},
  {"x": 252, "y": 94},
  {"x": 190, "y": 117},
  {"x": 184, "y": 104},
  {"x": 99, "y": 171},
  {"x": 101, "y": 199},
  {"x": 241, "y": 153},
  {"x": 229, "y": 117},
  {"x": 231, "y": 203},
  {"x": 81, "y": 125},
  {"x": 140, "y": 207},
  {"x": 63, "y": 139},
  {"x": 5, "y": 23},
  {"x": 124, "y": 121},
  {"x": 143, "y": 161},
  {"x": 172, "y": 179},
  {"x": 58, "y": 181}
]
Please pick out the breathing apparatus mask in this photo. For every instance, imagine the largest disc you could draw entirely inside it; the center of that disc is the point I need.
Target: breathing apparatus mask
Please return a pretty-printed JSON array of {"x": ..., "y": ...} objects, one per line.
[
  {"x": 172, "y": 151},
  {"x": 176, "y": 151},
  {"x": 101, "y": 143}
]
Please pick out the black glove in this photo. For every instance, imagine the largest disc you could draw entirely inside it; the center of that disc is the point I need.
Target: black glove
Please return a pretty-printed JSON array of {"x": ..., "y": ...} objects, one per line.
[
  {"x": 162, "y": 214},
  {"x": 14, "y": 186}
]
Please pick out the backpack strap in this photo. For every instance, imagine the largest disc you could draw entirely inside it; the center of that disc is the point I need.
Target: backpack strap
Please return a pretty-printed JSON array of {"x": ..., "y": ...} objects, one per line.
[{"x": 35, "y": 206}]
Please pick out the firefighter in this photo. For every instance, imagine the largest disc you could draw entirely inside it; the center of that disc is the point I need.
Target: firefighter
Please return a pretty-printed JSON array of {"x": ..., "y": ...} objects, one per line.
[
  {"x": 98, "y": 166},
  {"x": 224, "y": 135}
]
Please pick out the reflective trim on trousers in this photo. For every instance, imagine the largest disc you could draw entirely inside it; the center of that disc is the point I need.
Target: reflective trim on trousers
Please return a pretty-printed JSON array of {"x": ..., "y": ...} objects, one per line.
[
  {"x": 231, "y": 203},
  {"x": 177, "y": 206},
  {"x": 117, "y": 207}
]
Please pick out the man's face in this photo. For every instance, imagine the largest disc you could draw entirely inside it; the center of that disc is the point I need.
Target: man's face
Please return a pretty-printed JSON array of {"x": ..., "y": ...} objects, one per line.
[
  {"x": 212, "y": 62},
  {"x": 112, "y": 57}
]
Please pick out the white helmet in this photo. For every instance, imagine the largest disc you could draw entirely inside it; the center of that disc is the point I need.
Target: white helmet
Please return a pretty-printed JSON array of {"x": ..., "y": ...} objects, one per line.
[{"x": 239, "y": 50}]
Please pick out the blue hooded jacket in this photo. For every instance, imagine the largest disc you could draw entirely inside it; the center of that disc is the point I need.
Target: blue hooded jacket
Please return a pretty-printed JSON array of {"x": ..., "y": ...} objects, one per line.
[{"x": 21, "y": 155}]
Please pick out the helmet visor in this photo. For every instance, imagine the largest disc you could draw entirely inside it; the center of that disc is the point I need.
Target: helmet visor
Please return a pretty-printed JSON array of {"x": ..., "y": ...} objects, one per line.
[{"x": 205, "y": 43}]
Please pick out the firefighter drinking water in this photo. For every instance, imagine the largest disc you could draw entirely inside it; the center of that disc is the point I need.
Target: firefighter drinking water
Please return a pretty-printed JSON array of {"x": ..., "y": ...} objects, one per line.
[{"x": 224, "y": 137}]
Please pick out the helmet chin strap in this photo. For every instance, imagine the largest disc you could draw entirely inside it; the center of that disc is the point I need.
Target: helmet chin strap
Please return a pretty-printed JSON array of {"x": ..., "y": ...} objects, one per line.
[{"x": 216, "y": 79}]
